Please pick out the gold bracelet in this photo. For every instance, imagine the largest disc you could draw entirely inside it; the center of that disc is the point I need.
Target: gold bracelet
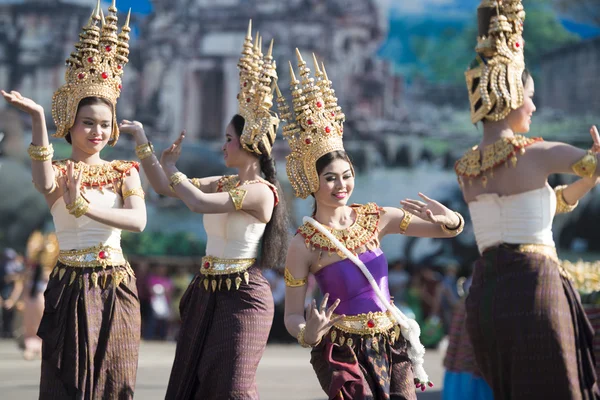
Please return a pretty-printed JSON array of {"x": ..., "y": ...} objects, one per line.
[
  {"x": 144, "y": 150},
  {"x": 78, "y": 207},
  {"x": 301, "y": 340},
  {"x": 237, "y": 196},
  {"x": 138, "y": 191},
  {"x": 456, "y": 230},
  {"x": 40, "y": 153},
  {"x": 562, "y": 207},
  {"x": 176, "y": 179},
  {"x": 586, "y": 166},
  {"x": 290, "y": 281},
  {"x": 405, "y": 221}
]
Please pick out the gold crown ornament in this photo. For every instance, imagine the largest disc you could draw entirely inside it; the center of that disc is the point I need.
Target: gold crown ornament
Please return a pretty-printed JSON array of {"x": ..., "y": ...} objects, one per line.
[
  {"x": 313, "y": 129},
  {"x": 495, "y": 83},
  {"x": 94, "y": 69},
  {"x": 258, "y": 78}
]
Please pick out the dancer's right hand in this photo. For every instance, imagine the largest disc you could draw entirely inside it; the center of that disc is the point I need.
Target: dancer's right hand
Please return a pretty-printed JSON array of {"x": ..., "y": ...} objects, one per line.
[
  {"x": 596, "y": 138},
  {"x": 134, "y": 128},
  {"x": 15, "y": 99},
  {"x": 318, "y": 320}
]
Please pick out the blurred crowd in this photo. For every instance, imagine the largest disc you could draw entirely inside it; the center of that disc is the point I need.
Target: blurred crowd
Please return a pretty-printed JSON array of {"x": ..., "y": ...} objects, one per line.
[{"x": 427, "y": 293}]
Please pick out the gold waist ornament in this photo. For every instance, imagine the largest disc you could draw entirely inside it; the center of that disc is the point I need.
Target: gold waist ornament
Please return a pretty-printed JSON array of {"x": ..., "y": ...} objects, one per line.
[
  {"x": 371, "y": 326},
  {"x": 214, "y": 270}
]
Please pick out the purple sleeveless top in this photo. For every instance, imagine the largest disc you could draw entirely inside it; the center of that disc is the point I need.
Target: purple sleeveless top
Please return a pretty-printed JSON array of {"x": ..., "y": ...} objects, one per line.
[{"x": 344, "y": 280}]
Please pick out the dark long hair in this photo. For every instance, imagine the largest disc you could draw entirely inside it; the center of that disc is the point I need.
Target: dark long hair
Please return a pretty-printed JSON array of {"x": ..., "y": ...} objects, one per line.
[
  {"x": 327, "y": 159},
  {"x": 275, "y": 239},
  {"x": 89, "y": 101}
]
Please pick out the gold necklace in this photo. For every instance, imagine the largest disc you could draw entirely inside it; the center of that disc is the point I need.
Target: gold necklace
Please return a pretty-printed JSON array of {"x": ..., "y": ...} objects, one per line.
[
  {"x": 362, "y": 232},
  {"x": 98, "y": 176},
  {"x": 494, "y": 155}
]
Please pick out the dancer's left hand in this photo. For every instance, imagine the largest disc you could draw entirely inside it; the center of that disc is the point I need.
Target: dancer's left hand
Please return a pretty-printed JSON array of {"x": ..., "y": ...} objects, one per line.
[
  {"x": 170, "y": 155},
  {"x": 71, "y": 183},
  {"x": 431, "y": 210}
]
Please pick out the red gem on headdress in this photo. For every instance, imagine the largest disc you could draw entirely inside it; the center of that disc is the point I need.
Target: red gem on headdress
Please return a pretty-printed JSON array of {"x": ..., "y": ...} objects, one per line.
[
  {"x": 308, "y": 140},
  {"x": 245, "y": 84},
  {"x": 327, "y": 129},
  {"x": 206, "y": 265},
  {"x": 119, "y": 66},
  {"x": 90, "y": 59},
  {"x": 517, "y": 45},
  {"x": 103, "y": 255},
  {"x": 319, "y": 104},
  {"x": 309, "y": 122},
  {"x": 342, "y": 129},
  {"x": 371, "y": 323},
  {"x": 120, "y": 86},
  {"x": 108, "y": 49},
  {"x": 332, "y": 114},
  {"x": 81, "y": 75},
  {"x": 104, "y": 75},
  {"x": 248, "y": 100}
]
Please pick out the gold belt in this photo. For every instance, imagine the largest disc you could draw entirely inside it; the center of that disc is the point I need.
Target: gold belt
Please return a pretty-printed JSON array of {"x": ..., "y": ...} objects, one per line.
[
  {"x": 213, "y": 269},
  {"x": 369, "y": 324},
  {"x": 544, "y": 250},
  {"x": 97, "y": 256}
]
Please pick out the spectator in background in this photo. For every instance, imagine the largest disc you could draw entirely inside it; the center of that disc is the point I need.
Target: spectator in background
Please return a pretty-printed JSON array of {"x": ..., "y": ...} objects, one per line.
[
  {"x": 398, "y": 280},
  {"x": 11, "y": 287},
  {"x": 160, "y": 287},
  {"x": 142, "y": 269}
]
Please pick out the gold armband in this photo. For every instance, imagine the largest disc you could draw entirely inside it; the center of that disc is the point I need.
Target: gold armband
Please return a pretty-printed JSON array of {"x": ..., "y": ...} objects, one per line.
[
  {"x": 405, "y": 221},
  {"x": 290, "y": 281},
  {"x": 195, "y": 182},
  {"x": 78, "y": 207},
  {"x": 176, "y": 179},
  {"x": 562, "y": 207},
  {"x": 238, "y": 196},
  {"x": 456, "y": 230},
  {"x": 40, "y": 153},
  {"x": 301, "y": 341},
  {"x": 144, "y": 150},
  {"x": 138, "y": 191},
  {"x": 586, "y": 166}
]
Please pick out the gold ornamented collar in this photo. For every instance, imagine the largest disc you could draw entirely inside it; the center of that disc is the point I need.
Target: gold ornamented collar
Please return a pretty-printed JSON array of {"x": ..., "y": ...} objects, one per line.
[
  {"x": 361, "y": 233},
  {"x": 494, "y": 155},
  {"x": 98, "y": 176},
  {"x": 229, "y": 182}
]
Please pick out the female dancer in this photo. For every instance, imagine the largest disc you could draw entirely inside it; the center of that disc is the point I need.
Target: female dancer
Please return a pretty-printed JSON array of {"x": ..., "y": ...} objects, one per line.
[
  {"x": 227, "y": 310},
  {"x": 529, "y": 332},
  {"x": 358, "y": 352},
  {"x": 91, "y": 323}
]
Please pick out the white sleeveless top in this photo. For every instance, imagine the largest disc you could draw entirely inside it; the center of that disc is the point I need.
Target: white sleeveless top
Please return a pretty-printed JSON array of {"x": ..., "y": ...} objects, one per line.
[
  {"x": 83, "y": 232},
  {"x": 233, "y": 235},
  {"x": 524, "y": 218}
]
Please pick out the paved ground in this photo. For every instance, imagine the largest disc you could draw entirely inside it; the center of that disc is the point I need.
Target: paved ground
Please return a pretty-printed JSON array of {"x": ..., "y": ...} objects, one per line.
[{"x": 284, "y": 373}]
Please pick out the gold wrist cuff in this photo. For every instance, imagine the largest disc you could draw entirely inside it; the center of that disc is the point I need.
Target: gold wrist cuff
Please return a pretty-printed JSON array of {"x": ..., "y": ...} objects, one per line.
[
  {"x": 456, "y": 230},
  {"x": 301, "y": 340},
  {"x": 586, "y": 166},
  {"x": 40, "y": 153},
  {"x": 405, "y": 221},
  {"x": 176, "y": 179},
  {"x": 562, "y": 207},
  {"x": 78, "y": 207},
  {"x": 144, "y": 150},
  {"x": 138, "y": 191},
  {"x": 290, "y": 281}
]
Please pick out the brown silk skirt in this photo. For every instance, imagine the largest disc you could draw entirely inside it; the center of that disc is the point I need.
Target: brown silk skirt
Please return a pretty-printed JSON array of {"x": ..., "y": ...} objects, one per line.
[
  {"x": 528, "y": 329},
  {"x": 222, "y": 339},
  {"x": 363, "y": 371},
  {"x": 90, "y": 334}
]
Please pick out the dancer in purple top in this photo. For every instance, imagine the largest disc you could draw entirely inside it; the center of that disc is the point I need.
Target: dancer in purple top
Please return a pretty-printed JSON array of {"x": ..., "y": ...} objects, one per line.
[{"x": 360, "y": 352}]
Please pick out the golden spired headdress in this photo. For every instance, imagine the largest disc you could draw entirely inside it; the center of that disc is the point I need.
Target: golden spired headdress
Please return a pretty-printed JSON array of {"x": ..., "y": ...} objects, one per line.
[
  {"x": 94, "y": 69},
  {"x": 313, "y": 129},
  {"x": 495, "y": 83},
  {"x": 258, "y": 78}
]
